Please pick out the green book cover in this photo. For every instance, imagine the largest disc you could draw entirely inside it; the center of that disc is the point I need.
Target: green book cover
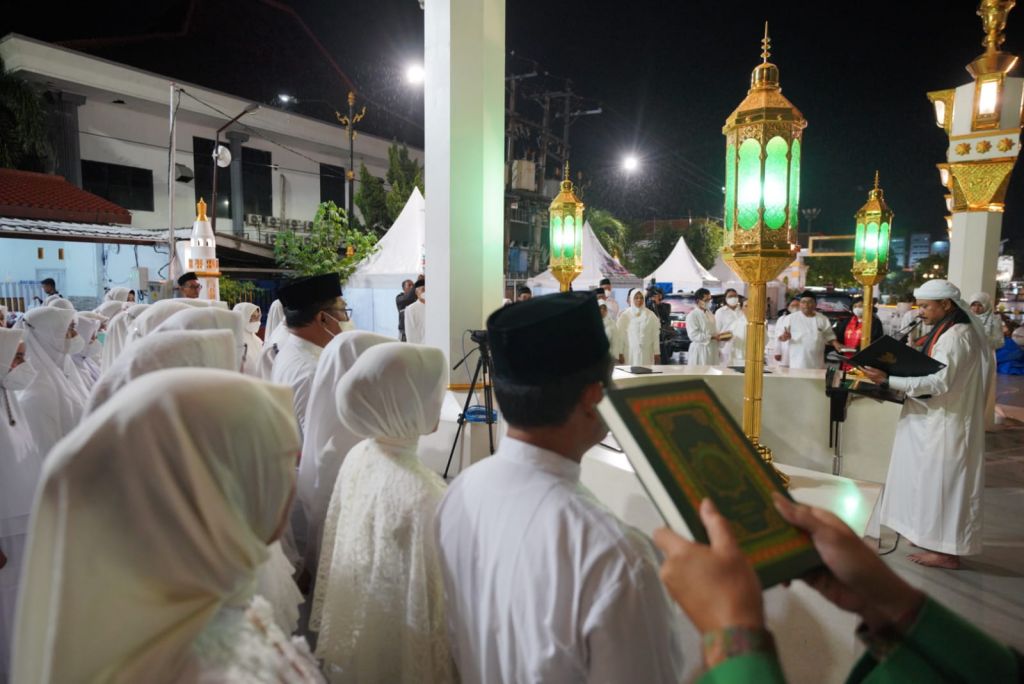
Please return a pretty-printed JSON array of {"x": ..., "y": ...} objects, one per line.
[{"x": 684, "y": 446}]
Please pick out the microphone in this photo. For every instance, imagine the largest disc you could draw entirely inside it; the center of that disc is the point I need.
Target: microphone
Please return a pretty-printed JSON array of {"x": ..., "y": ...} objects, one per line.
[{"x": 903, "y": 333}]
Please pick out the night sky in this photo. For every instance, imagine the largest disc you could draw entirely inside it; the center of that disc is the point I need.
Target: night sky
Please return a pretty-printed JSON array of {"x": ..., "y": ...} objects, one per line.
[{"x": 665, "y": 73}]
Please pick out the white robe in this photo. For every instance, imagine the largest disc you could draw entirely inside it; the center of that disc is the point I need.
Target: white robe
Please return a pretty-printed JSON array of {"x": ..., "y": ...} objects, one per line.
[
  {"x": 700, "y": 327},
  {"x": 253, "y": 343},
  {"x": 295, "y": 367},
  {"x": 613, "y": 306},
  {"x": 724, "y": 318},
  {"x": 809, "y": 336},
  {"x": 738, "y": 343},
  {"x": 415, "y": 322},
  {"x": 379, "y": 604},
  {"x": 638, "y": 336},
  {"x": 611, "y": 331},
  {"x": 544, "y": 584},
  {"x": 271, "y": 348},
  {"x": 933, "y": 491}
]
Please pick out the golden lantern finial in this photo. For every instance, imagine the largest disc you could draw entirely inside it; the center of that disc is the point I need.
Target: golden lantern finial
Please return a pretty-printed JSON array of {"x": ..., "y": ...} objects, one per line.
[
  {"x": 993, "y": 15},
  {"x": 766, "y": 45},
  {"x": 201, "y": 210}
]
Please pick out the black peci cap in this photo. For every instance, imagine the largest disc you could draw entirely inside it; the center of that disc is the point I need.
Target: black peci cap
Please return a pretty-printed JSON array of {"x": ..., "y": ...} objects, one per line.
[
  {"x": 185, "y": 277},
  {"x": 305, "y": 291},
  {"x": 538, "y": 341}
]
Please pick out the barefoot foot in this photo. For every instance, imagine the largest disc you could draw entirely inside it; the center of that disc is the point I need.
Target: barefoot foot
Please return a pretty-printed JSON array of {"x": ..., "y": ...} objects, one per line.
[{"x": 933, "y": 559}]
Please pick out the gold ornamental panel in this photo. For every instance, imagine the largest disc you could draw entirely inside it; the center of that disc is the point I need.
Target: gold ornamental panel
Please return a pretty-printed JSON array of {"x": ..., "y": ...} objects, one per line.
[{"x": 980, "y": 186}]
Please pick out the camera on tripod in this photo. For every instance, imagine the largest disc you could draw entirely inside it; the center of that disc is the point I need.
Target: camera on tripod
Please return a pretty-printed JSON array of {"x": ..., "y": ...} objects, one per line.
[
  {"x": 478, "y": 336},
  {"x": 483, "y": 371}
]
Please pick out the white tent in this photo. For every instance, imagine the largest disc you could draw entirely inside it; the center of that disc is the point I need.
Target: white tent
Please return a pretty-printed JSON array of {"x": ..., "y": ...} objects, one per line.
[
  {"x": 727, "y": 276},
  {"x": 371, "y": 290},
  {"x": 683, "y": 271}
]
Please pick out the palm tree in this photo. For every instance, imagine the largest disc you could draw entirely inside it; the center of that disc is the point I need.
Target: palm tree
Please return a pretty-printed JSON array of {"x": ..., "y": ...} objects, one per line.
[
  {"x": 610, "y": 231},
  {"x": 23, "y": 139}
]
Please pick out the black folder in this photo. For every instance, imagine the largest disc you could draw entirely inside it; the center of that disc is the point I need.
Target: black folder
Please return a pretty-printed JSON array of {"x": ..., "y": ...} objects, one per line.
[{"x": 896, "y": 358}]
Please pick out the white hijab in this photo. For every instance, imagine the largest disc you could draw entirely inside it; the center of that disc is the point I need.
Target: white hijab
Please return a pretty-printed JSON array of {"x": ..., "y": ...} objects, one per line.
[
  {"x": 109, "y": 309},
  {"x": 20, "y": 463},
  {"x": 171, "y": 349},
  {"x": 210, "y": 318},
  {"x": 253, "y": 343},
  {"x": 116, "y": 294},
  {"x": 152, "y": 515},
  {"x": 53, "y": 403},
  {"x": 94, "y": 348},
  {"x": 326, "y": 441},
  {"x": 275, "y": 317},
  {"x": 117, "y": 333},
  {"x": 148, "y": 320},
  {"x": 633, "y": 308},
  {"x": 59, "y": 302},
  {"x": 87, "y": 324}
]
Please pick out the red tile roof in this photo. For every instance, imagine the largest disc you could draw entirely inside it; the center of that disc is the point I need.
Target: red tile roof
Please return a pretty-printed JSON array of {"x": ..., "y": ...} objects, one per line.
[{"x": 25, "y": 194}]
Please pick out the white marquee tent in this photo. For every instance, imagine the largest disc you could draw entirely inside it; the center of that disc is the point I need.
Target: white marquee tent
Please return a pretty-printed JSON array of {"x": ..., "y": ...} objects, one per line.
[
  {"x": 371, "y": 290},
  {"x": 683, "y": 271}
]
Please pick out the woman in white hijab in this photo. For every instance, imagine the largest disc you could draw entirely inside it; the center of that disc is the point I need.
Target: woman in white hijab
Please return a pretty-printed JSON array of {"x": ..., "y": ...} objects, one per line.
[
  {"x": 117, "y": 333},
  {"x": 151, "y": 521},
  {"x": 638, "y": 332},
  {"x": 87, "y": 325},
  {"x": 327, "y": 441},
  {"x": 171, "y": 349},
  {"x": 379, "y": 604},
  {"x": 151, "y": 318},
  {"x": 54, "y": 402},
  {"x": 116, "y": 294},
  {"x": 20, "y": 466},
  {"x": 109, "y": 309},
  {"x": 210, "y": 318},
  {"x": 251, "y": 314},
  {"x": 59, "y": 302},
  {"x": 275, "y": 317},
  {"x": 981, "y": 307}
]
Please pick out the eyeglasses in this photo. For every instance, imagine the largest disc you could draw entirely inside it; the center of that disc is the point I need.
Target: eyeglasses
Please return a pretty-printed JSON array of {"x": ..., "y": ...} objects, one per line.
[
  {"x": 345, "y": 313},
  {"x": 192, "y": 286}
]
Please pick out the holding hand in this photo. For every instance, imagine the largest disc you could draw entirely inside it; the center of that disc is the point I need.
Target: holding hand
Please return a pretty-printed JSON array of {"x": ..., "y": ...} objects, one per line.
[{"x": 876, "y": 376}]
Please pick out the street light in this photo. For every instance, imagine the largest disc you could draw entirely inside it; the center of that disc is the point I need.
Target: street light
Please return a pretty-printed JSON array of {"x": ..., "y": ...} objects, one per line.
[
  {"x": 415, "y": 74},
  {"x": 223, "y": 160},
  {"x": 630, "y": 163},
  {"x": 871, "y": 252}
]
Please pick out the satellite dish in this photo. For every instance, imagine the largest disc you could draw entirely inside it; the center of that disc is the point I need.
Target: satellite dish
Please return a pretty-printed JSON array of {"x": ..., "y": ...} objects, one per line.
[{"x": 222, "y": 156}]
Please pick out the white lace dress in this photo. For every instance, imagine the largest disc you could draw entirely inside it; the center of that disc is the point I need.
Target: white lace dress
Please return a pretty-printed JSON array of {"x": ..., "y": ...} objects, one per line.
[
  {"x": 245, "y": 645},
  {"x": 379, "y": 603}
]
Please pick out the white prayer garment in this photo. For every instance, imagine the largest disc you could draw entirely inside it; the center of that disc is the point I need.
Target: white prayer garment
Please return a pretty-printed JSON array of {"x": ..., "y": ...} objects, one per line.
[
  {"x": 161, "y": 350},
  {"x": 416, "y": 322},
  {"x": 109, "y": 309},
  {"x": 933, "y": 491},
  {"x": 326, "y": 441},
  {"x": 724, "y": 318},
  {"x": 253, "y": 343},
  {"x": 151, "y": 318},
  {"x": 611, "y": 331},
  {"x": 275, "y": 317},
  {"x": 117, "y": 333},
  {"x": 613, "y": 306},
  {"x": 809, "y": 336},
  {"x": 544, "y": 584},
  {"x": 990, "y": 321},
  {"x": 20, "y": 467},
  {"x": 54, "y": 401},
  {"x": 295, "y": 367},
  {"x": 117, "y": 294},
  {"x": 271, "y": 349},
  {"x": 59, "y": 302},
  {"x": 738, "y": 344},
  {"x": 210, "y": 318},
  {"x": 701, "y": 328},
  {"x": 151, "y": 521},
  {"x": 638, "y": 333},
  {"x": 87, "y": 325},
  {"x": 380, "y": 603}
]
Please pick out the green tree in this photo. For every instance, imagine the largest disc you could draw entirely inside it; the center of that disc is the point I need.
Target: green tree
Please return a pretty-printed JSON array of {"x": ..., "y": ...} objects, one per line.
[
  {"x": 929, "y": 268},
  {"x": 23, "y": 140},
  {"x": 404, "y": 173},
  {"x": 234, "y": 291},
  {"x": 705, "y": 239},
  {"x": 371, "y": 198},
  {"x": 332, "y": 246},
  {"x": 649, "y": 254},
  {"x": 836, "y": 271},
  {"x": 612, "y": 233}
]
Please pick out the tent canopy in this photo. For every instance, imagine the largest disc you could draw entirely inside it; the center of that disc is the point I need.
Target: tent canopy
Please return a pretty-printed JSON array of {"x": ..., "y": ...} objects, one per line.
[
  {"x": 401, "y": 250},
  {"x": 597, "y": 264},
  {"x": 683, "y": 270}
]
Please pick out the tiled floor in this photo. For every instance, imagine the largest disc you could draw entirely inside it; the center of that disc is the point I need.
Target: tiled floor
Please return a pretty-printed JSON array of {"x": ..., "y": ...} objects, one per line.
[{"x": 989, "y": 589}]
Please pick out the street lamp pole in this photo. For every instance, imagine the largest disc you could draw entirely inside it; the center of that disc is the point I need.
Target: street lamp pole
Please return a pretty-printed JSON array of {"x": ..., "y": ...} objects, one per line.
[
  {"x": 216, "y": 165},
  {"x": 349, "y": 122}
]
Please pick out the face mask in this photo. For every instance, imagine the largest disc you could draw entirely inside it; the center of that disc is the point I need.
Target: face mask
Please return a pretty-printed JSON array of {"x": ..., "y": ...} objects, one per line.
[
  {"x": 19, "y": 378},
  {"x": 903, "y": 307},
  {"x": 74, "y": 345},
  {"x": 703, "y": 305},
  {"x": 101, "y": 337},
  {"x": 858, "y": 311},
  {"x": 253, "y": 326},
  {"x": 329, "y": 331},
  {"x": 347, "y": 326},
  {"x": 794, "y": 309},
  {"x": 732, "y": 301}
]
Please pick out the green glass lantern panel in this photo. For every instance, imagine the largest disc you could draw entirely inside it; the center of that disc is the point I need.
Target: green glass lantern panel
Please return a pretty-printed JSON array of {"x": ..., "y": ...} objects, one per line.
[
  {"x": 578, "y": 252},
  {"x": 730, "y": 185},
  {"x": 883, "y": 244},
  {"x": 569, "y": 237},
  {"x": 748, "y": 190},
  {"x": 555, "y": 236},
  {"x": 775, "y": 171},
  {"x": 871, "y": 242},
  {"x": 794, "y": 183},
  {"x": 858, "y": 245}
]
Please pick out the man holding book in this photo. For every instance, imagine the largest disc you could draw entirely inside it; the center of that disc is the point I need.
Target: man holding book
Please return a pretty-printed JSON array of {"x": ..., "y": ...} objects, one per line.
[{"x": 934, "y": 486}]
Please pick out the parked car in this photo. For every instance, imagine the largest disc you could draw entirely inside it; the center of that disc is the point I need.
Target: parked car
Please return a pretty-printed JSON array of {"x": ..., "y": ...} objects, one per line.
[{"x": 679, "y": 304}]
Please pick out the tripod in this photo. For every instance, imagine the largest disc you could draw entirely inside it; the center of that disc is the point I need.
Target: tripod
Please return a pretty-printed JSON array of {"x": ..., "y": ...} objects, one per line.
[{"x": 482, "y": 371}]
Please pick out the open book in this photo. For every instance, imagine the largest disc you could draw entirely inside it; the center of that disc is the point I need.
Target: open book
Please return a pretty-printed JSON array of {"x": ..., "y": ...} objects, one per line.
[
  {"x": 684, "y": 446},
  {"x": 895, "y": 358}
]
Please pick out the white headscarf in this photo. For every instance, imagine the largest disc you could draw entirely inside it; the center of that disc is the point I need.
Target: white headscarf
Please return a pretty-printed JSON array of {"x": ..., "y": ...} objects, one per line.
[
  {"x": 326, "y": 441},
  {"x": 117, "y": 333},
  {"x": 171, "y": 349},
  {"x": 53, "y": 403},
  {"x": 254, "y": 345},
  {"x": 87, "y": 324},
  {"x": 109, "y": 309},
  {"x": 151, "y": 516},
  {"x": 59, "y": 302},
  {"x": 633, "y": 308},
  {"x": 983, "y": 298},
  {"x": 148, "y": 320},
  {"x": 117, "y": 294},
  {"x": 275, "y": 317},
  {"x": 209, "y": 318},
  {"x": 20, "y": 463},
  {"x": 94, "y": 348}
]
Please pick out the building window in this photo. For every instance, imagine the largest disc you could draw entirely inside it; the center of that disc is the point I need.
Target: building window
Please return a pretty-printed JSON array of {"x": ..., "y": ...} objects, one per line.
[
  {"x": 257, "y": 182},
  {"x": 332, "y": 184},
  {"x": 125, "y": 186}
]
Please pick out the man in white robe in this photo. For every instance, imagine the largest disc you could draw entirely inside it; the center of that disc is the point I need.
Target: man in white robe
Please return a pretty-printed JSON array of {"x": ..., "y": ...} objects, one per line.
[
  {"x": 703, "y": 332},
  {"x": 780, "y": 349},
  {"x": 416, "y": 317},
  {"x": 936, "y": 475},
  {"x": 807, "y": 333},
  {"x": 544, "y": 583},
  {"x": 725, "y": 316},
  {"x": 613, "y": 306}
]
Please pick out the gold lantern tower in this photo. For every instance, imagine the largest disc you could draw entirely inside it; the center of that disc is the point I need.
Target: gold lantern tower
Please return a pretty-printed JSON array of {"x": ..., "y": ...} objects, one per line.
[
  {"x": 871, "y": 252},
  {"x": 762, "y": 191},
  {"x": 566, "y": 237}
]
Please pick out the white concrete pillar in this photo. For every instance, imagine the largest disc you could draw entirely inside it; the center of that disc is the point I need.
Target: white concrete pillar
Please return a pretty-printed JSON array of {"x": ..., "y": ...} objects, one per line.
[
  {"x": 464, "y": 167},
  {"x": 974, "y": 250}
]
